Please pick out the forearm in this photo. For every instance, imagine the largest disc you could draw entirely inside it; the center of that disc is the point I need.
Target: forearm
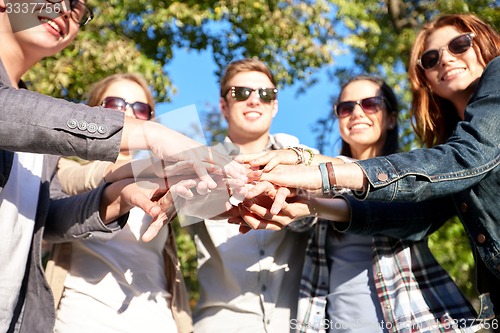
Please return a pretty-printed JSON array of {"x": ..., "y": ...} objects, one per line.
[
  {"x": 146, "y": 135},
  {"x": 112, "y": 204},
  {"x": 334, "y": 209},
  {"x": 77, "y": 178}
]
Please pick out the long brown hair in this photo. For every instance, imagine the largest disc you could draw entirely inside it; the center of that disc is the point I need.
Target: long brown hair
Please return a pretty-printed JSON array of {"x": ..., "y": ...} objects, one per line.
[{"x": 433, "y": 117}]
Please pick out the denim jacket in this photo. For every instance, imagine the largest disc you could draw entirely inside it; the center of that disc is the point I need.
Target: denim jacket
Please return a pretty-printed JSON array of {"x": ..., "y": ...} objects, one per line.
[{"x": 466, "y": 168}]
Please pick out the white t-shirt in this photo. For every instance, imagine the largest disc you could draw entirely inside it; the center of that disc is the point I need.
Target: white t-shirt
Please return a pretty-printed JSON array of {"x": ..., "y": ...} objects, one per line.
[
  {"x": 118, "y": 285},
  {"x": 18, "y": 204}
]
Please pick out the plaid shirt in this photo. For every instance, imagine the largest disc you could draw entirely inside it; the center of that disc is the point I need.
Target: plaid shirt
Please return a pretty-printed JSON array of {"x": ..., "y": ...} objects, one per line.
[{"x": 416, "y": 294}]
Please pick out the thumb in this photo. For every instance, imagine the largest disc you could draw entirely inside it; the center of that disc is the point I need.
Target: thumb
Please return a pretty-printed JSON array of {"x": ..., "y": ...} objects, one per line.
[{"x": 150, "y": 207}]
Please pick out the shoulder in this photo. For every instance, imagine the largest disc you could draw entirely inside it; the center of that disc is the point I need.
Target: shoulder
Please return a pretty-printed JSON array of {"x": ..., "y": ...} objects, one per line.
[
  {"x": 492, "y": 67},
  {"x": 283, "y": 140}
]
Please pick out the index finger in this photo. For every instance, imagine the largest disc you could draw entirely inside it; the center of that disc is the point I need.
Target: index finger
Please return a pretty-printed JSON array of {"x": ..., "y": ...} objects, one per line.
[{"x": 279, "y": 200}]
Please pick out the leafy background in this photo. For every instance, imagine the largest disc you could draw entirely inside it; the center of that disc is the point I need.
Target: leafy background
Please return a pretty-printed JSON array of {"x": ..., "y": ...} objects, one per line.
[{"x": 296, "y": 38}]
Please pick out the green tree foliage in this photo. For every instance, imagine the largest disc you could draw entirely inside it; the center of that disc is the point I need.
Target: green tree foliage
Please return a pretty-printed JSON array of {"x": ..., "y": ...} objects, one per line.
[{"x": 294, "y": 37}]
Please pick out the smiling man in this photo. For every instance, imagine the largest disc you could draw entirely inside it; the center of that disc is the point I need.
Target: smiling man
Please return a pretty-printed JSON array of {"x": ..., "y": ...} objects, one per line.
[{"x": 248, "y": 282}]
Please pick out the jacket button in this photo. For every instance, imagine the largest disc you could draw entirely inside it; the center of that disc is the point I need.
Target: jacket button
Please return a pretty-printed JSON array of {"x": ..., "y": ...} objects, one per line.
[
  {"x": 463, "y": 207},
  {"x": 481, "y": 238},
  {"x": 82, "y": 125},
  {"x": 72, "y": 123},
  {"x": 382, "y": 177},
  {"x": 92, "y": 128},
  {"x": 102, "y": 129}
]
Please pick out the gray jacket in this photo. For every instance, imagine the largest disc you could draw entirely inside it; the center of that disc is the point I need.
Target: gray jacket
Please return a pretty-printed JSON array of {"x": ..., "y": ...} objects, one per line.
[{"x": 36, "y": 123}]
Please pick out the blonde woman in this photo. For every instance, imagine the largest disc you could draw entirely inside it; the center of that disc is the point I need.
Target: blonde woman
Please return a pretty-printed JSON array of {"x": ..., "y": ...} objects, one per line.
[{"x": 123, "y": 284}]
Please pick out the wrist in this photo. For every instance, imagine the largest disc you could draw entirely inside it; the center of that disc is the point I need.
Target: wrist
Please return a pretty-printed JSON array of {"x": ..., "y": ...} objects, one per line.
[{"x": 312, "y": 206}]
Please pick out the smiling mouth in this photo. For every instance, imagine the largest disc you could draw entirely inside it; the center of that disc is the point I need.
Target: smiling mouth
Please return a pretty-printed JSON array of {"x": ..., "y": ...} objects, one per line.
[
  {"x": 252, "y": 114},
  {"x": 359, "y": 126},
  {"x": 53, "y": 25},
  {"x": 452, "y": 72}
]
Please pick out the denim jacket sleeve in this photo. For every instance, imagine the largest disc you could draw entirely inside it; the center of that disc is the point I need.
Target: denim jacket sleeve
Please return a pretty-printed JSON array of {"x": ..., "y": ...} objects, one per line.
[
  {"x": 465, "y": 159},
  {"x": 403, "y": 220}
]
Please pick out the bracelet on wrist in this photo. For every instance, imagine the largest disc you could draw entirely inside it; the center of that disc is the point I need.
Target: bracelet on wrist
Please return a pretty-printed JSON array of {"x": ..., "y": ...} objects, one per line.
[
  {"x": 332, "y": 180},
  {"x": 298, "y": 152},
  {"x": 325, "y": 182},
  {"x": 301, "y": 157},
  {"x": 311, "y": 155}
]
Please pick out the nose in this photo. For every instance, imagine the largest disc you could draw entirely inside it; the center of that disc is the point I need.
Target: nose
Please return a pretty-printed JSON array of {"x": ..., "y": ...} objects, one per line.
[
  {"x": 129, "y": 111},
  {"x": 254, "y": 97},
  {"x": 445, "y": 55},
  {"x": 357, "y": 111},
  {"x": 64, "y": 8}
]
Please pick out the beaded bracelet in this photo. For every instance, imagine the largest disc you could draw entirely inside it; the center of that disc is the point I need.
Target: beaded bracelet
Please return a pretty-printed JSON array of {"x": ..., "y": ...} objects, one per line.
[
  {"x": 301, "y": 159},
  {"x": 324, "y": 178},
  {"x": 311, "y": 155}
]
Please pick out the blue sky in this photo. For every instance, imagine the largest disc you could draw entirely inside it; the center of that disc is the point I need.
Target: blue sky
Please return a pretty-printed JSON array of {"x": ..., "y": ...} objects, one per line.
[{"x": 193, "y": 75}]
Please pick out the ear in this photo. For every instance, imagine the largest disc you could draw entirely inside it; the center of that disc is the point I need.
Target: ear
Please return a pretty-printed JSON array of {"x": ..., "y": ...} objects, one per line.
[
  {"x": 275, "y": 108},
  {"x": 392, "y": 120},
  {"x": 224, "y": 108}
]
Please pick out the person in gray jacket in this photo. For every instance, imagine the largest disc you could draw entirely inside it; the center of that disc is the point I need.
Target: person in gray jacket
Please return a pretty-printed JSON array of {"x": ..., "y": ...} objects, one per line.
[{"x": 33, "y": 125}]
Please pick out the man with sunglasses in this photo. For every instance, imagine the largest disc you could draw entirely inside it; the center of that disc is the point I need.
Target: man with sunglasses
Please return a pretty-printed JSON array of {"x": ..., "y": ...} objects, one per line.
[{"x": 248, "y": 282}]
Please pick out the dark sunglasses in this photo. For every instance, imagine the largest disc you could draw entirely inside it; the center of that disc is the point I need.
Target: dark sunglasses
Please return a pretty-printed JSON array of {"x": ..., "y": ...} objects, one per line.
[
  {"x": 369, "y": 105},
  {"x": 141, "y": 110},
  {"x": 80, "y": 12},
  {"x": 456, "y": 46},
  {"x": 266, "y": 95}
]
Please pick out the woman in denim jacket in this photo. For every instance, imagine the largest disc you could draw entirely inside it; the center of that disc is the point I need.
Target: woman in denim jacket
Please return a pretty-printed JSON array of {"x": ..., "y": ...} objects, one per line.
[
  {"x": 374, "y": 283},
  {"x": 455, "y": 77}
]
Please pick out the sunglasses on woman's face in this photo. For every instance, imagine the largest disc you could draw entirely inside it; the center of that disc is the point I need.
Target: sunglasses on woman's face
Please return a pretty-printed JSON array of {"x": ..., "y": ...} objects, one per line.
[
  {"x": 141, "y": 110},
  {"x": 266, "y": 95},
  {"x": 369, "y": 105},
  {"x": 456, "y": 46},
  {"x": 80, "y": 12}
]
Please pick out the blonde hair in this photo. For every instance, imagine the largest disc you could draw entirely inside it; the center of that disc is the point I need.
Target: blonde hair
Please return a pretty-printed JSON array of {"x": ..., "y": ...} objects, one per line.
[
  {"x": 96, "y": 92},
  {"x": 433, "y": 117}
]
